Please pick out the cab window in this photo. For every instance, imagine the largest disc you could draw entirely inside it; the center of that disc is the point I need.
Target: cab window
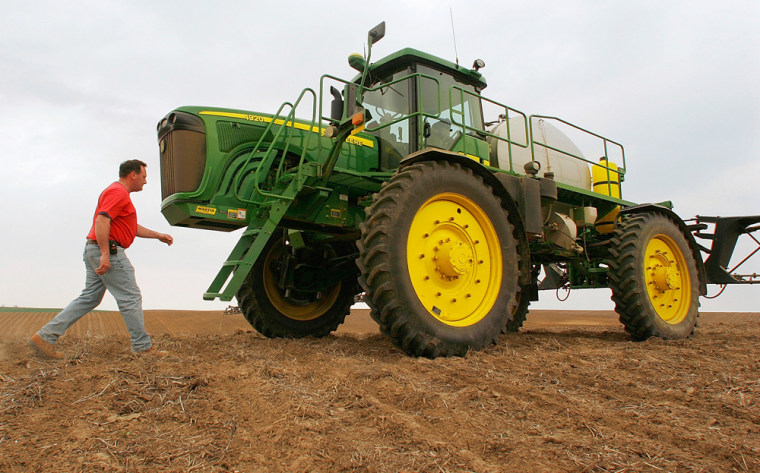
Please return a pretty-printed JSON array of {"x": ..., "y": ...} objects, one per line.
[
  {"x": 388, "y": 105},
  {"x": 448, "y": 111}
]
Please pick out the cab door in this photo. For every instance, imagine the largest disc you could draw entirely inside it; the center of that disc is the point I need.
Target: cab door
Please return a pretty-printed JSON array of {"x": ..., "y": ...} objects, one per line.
[{"x": 451, "y": 110}]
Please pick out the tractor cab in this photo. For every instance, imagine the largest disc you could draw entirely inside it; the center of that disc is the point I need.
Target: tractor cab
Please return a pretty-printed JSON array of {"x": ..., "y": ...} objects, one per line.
[{"x": 416, "y": 101}]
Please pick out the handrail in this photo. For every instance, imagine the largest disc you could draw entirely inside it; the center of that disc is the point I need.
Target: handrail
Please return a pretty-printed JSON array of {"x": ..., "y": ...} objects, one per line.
[
  {"x": 286, "y": 125},
  {"x": 506, "y": 116},
  {"x": 457, "y": 118},
  {"x": 323, "y": 118},
  {"x": 620, "y": 172}
]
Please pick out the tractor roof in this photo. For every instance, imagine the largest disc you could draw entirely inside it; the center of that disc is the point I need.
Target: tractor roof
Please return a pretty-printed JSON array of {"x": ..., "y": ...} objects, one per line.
[{"x": 408, "y": 56}]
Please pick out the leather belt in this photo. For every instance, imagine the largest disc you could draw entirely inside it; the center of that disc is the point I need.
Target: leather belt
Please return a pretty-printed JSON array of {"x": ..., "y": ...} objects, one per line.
[{"x": 110, "y": 243}]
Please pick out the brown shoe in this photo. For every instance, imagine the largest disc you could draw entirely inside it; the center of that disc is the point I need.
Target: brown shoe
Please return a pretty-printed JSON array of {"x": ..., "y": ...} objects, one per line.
[
  {"x": 152, "y": 351},
  {"x": 44, "y": 348}
]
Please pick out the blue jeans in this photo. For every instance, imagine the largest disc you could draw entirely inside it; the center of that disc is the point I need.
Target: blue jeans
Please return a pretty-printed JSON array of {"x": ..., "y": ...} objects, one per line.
[{"x": 120, "y": 282}]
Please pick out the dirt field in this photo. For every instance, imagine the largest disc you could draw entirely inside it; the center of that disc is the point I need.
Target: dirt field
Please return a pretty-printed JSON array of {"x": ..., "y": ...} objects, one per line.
[{"x": 569, "y": 393}]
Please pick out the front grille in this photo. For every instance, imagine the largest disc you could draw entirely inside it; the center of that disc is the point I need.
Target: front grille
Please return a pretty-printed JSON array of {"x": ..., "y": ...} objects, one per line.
[{"x": 182, "y": 142}]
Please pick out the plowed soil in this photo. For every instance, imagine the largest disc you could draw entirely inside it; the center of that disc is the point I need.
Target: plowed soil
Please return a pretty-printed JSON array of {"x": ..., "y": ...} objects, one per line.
[{"x": 571, "y": 392}]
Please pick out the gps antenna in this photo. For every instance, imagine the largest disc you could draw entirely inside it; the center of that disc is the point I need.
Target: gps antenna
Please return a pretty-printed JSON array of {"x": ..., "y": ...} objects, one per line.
[{"x": 456, "y": 54}]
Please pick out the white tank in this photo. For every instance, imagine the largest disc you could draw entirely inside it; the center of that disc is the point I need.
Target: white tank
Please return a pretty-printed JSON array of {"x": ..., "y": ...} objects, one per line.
[{"x": 566, "y": 169}]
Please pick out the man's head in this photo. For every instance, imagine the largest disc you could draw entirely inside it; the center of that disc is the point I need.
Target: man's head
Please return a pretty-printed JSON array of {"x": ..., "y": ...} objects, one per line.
[{"x": 133, "y": 175}]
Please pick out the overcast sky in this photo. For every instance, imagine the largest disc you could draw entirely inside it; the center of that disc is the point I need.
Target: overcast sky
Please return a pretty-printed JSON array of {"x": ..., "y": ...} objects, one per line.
[{"x": 83, "y": 84}]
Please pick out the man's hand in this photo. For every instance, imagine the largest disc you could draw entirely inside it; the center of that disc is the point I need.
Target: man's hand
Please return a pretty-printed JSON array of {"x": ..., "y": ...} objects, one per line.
[
  {"x": 102, "y": 230},
  {"x": 143, "y": 232},
  {"x": 105, "y": 265},
  {"x": 166, "y": 238}
]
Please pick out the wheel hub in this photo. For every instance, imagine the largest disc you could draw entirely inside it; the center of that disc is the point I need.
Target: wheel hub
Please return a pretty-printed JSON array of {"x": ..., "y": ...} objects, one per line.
[
  {"x": 665, "y": 275},
  {"x": 454, "y": 259}
]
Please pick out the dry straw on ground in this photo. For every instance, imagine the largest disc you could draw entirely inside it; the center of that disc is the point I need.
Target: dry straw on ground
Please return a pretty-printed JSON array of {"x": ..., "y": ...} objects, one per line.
[{"x": 550, "y": 399}]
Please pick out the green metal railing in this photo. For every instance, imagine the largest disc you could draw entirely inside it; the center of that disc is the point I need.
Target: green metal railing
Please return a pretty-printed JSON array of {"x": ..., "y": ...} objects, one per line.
[
  {"x": 620, "y": 171},
  {"x": 528, "y": 123},
  {"x": 433, "y": 110},
  {"x": 285, "y": 128},
  {"x": 506, "y": 116}
]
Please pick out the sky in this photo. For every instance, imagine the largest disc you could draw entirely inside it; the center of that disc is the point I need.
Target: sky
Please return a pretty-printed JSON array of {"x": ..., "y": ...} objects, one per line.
[{"x": 83, "y": 84}]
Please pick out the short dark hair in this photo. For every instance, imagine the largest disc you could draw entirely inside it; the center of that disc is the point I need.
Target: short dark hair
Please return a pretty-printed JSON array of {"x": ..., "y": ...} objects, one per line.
[{"x": 129, "y": 166}]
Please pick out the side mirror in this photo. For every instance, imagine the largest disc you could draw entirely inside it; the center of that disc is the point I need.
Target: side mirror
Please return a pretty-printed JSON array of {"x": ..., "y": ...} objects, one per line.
[{"x": 376, "y": 33}]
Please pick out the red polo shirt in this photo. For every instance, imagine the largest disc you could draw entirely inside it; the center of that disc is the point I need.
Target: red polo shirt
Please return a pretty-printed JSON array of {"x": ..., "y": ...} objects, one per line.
[{"x": 115, "y": 204}]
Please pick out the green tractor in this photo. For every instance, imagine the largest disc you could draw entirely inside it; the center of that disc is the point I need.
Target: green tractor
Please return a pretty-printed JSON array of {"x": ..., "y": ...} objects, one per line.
[{"x": 448, "y": 220}]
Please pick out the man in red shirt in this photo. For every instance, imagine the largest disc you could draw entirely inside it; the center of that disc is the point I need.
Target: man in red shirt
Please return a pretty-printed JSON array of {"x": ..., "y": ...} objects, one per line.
[{"x": 114, "y": 228}]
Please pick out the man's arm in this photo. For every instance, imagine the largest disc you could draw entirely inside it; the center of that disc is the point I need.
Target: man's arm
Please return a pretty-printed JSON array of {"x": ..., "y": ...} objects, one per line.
[
  {"x": 102, "y": 231},
  {"x": 143, "y": 232}
]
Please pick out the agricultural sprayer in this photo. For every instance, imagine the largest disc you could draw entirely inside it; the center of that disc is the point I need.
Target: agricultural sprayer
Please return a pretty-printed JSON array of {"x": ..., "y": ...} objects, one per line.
[{"x": 449, "y": 210}]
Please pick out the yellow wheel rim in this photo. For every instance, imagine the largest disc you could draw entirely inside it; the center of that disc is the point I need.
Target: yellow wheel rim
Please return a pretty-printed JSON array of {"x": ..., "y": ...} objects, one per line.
[
  {"x": 301, "y": 312},
  {"x": 454, "y": 259},
  {"x": 667, "y": 279}
]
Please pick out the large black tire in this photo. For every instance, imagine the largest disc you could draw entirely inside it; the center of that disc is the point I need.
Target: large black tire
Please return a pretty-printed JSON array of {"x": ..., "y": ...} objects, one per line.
[
  {"x": 519, "y": 311},
  {"x": 438, "y": 260},
  {"x": 264, "y": 306},
  {"x": 519, "y": 305},
  {"x": 653, "y": 277}
]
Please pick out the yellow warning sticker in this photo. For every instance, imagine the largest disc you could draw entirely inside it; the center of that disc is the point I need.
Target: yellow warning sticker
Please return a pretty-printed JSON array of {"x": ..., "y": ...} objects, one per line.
[{"x": 205, "y": 210}]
